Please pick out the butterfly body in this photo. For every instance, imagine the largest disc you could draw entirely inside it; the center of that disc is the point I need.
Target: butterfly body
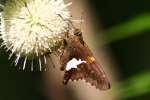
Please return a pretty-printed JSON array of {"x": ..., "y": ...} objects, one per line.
[{"x": 90, "y": 70}]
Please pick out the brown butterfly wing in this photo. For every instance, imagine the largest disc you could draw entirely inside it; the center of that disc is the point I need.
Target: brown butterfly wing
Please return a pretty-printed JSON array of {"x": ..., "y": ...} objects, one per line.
[{"x": 90, "y": 71}]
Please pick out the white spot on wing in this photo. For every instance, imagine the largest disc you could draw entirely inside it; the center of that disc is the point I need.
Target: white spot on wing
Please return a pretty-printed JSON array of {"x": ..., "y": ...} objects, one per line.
[{"x": 73, "y": 63}]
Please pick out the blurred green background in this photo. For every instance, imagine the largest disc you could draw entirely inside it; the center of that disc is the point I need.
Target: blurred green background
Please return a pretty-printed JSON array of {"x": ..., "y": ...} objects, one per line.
[{"x": 126, "y": 25}]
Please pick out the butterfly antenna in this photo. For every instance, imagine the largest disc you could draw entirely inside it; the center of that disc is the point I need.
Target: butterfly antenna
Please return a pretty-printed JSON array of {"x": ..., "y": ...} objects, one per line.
[
  {"x": 70, "y": 22},
  {"x": 81, "y": 20}
]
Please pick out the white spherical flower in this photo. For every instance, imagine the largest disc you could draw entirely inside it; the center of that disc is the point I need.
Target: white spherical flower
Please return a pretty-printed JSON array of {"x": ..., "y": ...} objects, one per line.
[{"x": 32, "y": 28}]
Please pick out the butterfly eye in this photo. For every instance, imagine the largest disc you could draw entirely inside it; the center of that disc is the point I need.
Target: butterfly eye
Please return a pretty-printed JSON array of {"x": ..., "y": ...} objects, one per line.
[{"x": 78, "y": 32}]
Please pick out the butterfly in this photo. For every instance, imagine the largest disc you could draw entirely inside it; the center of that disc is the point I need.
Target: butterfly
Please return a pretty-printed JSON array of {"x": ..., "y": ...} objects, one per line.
[{"x": 78, "y": 62}]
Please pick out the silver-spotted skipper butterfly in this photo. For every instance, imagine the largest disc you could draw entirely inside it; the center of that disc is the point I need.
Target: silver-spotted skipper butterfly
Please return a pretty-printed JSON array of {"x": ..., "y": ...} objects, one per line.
[{"x": 77, "y": 62}]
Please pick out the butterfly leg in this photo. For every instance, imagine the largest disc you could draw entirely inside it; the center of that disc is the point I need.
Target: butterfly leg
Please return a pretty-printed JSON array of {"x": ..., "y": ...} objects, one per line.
[
  {"x": 62, "y": 68},
  {"x": 67, "y": 76}
]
